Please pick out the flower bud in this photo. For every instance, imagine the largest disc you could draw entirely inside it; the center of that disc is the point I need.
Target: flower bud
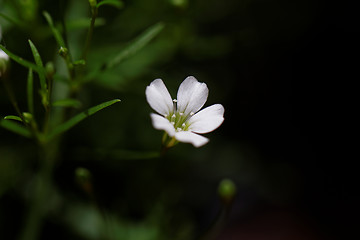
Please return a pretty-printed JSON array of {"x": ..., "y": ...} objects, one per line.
[
  {"x": 49, "y": 70},
  {"x": 4, "y": 62},
  {"x": 83, "y": 179},
  {"x": 28, "y": 117},
  {"x": 63, "y": 52},
  {"x": 179, "y": 3},
  {"x": 227, "y": 190}
]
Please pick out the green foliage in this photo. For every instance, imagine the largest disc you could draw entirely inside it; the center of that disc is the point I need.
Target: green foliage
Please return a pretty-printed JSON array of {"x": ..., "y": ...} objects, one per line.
[
  {"x": 12, "y": 117},
  {"x": 39, "y": 63},
  {"x": 15, "y": 127},
  {"x": 69, "y": 102},
  {"x": 12, "y": 20},
  {"x": 115, "y": 3},
  {"x": 136, "y": 45},
  {"x": 21, "y": 61},
  {"x": 79, "y": 117},
  {"x": 60, "y": 41},
  {"x": 30, "y": 91}
]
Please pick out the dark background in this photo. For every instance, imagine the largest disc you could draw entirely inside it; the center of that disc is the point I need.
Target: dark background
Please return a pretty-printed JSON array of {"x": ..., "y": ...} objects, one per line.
[{"x": 282, "y": 70}]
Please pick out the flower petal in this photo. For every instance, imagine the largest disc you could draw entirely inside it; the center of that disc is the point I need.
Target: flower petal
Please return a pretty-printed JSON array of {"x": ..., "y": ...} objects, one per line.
[
  {"x": 162, "y": 123},
  {"x": 190, "y": 137},
  {"x": 159, "y": 97},
  {"x": 191, "y": 95},
  {"x": 207, "y": 120}
]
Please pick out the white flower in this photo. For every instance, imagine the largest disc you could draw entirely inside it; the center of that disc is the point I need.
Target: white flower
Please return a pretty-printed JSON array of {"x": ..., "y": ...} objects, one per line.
[{"x": 180, "y": 117}]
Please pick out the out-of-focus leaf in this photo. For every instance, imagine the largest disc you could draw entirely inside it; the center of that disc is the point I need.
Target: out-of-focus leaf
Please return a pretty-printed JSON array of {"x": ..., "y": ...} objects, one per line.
[
  {"x": 59, "y": 39},
  {"x": 80, "y": 62},
  {"x": 39, "y": 63},
  {"x": 15, "y": 127},
  {"x": 78, "y": 118},
  {"x": 30, "y": 92},
  {"x": 83, "y": 23},
  {"x": 136, "y": 45},
  {"x": 69, "y": 102},
  {"x": 21, "y": 61},
  {"x": 13, "y": 117},
  {"x": 114, "y": 3},
  {"x": 11, "y": 19}
]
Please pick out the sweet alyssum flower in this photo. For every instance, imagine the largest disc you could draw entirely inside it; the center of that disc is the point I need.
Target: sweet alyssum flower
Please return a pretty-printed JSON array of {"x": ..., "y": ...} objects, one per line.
[{"x": 180, "y": 118}]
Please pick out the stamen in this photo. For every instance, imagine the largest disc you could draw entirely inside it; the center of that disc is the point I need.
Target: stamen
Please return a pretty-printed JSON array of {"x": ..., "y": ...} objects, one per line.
[
  {"x": 183, "y": 125},
  {"x": 165, "y": 115},
  {"x": 181, "y": 113},
  {"x": 175, "y": 106},
  {"x": 178, "y": 129},
  {"x": 192, "y": 113},
  {"x": 173, "y": 116},
  {"x": 173, "y": 123}
]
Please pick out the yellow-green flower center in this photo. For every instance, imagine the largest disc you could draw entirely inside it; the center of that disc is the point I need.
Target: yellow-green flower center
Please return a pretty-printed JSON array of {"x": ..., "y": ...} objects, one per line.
[{"x": 178, "y": 119}]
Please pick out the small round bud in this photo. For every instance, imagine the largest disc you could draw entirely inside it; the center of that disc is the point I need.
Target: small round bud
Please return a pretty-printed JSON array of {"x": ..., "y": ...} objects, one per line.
[
  {"x": 82, "y": 174},
  {"x": 179, "y": 3},
  {"x": 27, "y": 116},
  {"x": 83, "y": 178},
  {"x": 227, "y": 190},
  {"x": 49, "y": 70}
]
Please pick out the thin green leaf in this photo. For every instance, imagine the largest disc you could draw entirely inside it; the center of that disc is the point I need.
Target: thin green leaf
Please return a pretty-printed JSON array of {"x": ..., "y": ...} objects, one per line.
[
  {"x": 39, "y": 63},
  {"x": 136, "y": 45},
  {"x": 15, "y": 127},
  {"x": 114, "y": 3},
  {"x": 78, "y": 118},
  {"x": 21, "y": 61},
  {"x": 69, "y": 102},
  {"x": 13, "y": 117},
  {"x": 30, "y": 91},
  {"x": 59, "y": 39}
]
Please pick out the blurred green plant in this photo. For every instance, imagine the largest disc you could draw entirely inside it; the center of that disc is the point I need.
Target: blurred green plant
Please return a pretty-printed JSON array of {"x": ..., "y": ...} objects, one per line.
[{"x": 46, "y": 130}]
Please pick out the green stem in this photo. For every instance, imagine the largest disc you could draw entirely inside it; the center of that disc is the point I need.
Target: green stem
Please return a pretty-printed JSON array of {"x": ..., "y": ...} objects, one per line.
[
  {"x": 90, "y": 32},
  {"x": 41, "y": 192},
  {"x": 48, "y": 107},
  {"x": 70, "y": 66}
]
